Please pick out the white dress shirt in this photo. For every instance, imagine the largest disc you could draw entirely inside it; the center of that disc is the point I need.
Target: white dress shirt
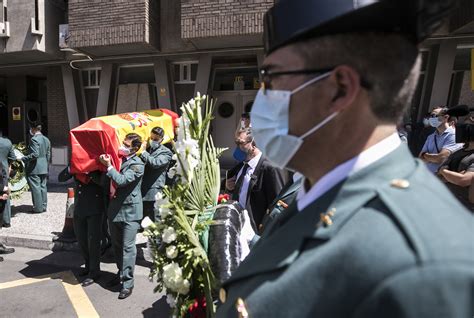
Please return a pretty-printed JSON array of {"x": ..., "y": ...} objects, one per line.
[
  {"x": 344, "y": 170},
  {"x": 248, "y": 174}
]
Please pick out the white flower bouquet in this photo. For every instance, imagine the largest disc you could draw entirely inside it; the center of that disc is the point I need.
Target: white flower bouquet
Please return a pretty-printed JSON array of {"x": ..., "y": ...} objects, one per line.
[{"x": 180, "y": 262}]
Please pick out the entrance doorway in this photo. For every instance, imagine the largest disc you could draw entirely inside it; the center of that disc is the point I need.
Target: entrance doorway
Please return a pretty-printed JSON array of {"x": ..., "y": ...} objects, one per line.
[
  {"x": 229, "y": 107},
  {"x": 3, "y": 118}
]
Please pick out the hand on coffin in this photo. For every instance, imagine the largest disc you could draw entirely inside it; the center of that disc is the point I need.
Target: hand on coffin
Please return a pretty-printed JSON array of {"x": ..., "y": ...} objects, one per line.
[{"x": 105, "y": 160}]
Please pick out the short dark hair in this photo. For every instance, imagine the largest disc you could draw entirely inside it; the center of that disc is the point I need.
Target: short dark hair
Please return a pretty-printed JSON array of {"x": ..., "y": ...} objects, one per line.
[
  {"x": 36, "y": 126},
  {"x": 443, "y": 111},
  {"x": 245, "y": 115},
  {"x": 135, "y": 140},
  {"x": 158, "y": 131},
  {"x": 248, "y": 135},
  {"x": 389, "y": 62}
]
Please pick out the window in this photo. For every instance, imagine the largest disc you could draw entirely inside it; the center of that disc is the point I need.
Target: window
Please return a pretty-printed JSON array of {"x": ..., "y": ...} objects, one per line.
[
  {"x": 36, "y": 27},
  {"x": 91, "y": 78},
  {"x": 185, "y": 72},
  {"x": 37, "y": 22},
  {"x": 236, "y": 78},
  {"x": 4, "y": 24}
]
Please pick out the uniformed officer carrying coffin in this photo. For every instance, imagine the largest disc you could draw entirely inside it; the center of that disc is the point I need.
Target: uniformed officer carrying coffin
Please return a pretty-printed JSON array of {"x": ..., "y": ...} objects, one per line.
[
  {"x": 156, "y": 158},
  {"x": 125, "y": 210},
  {"x": 373, "y": 233},
  {"x": 89, "y": 207}
]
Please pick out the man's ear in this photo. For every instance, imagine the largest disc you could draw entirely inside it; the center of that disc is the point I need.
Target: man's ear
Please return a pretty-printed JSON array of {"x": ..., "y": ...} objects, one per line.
[{"x": 347, "y": 81}]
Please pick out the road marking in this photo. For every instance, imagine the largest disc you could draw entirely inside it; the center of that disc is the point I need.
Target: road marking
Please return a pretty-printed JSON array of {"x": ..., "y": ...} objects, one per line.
[{"x": 77, "y": 296}]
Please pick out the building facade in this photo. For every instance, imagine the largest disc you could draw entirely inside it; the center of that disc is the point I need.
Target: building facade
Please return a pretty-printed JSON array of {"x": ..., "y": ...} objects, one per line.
[{"x": 64, "y": 62}]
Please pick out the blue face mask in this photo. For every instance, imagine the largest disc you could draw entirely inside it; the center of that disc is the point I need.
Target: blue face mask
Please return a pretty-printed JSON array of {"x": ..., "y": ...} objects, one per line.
[
  {"x": 270, "y": 120},
  {"x": 239, "y": 155}
]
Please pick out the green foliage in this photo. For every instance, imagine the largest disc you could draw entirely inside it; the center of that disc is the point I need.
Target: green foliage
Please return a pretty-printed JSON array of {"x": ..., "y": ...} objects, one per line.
[{"x": 187, "y": 208}]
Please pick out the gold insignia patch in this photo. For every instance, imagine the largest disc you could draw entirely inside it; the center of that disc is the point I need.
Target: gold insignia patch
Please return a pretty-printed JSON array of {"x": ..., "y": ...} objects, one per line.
[
  {"x": 222, "y": 295},
  {"x": 241, "y": 308},
  {"x": 400, "y": 183}
]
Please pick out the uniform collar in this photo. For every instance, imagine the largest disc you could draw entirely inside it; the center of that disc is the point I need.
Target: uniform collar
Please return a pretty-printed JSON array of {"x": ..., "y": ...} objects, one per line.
[
  {"x": 344, "y": 200},
  {"x": 364, "y": 159}
]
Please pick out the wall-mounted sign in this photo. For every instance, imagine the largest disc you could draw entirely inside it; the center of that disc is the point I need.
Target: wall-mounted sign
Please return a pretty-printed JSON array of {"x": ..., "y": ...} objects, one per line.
[
  {"x": 256, "y": 83},
  {"x": 239, "y": 83},
  {"x": 16, "y": 113},
  {"x": 162, "y": 91}
]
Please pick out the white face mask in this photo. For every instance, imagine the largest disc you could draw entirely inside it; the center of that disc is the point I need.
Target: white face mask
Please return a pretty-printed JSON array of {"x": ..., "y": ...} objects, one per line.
[
  {"x": 124, "y": 151},
  {"x": 270, "y": 121},
  {"x": 434, "y": 122}
]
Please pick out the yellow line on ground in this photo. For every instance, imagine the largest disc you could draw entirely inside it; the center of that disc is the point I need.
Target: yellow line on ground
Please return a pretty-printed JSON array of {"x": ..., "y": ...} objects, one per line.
[
  {"x": 78, "y": 297},
  {"x": 79, "y": 300},
  {"x": 28, "y": 281}
]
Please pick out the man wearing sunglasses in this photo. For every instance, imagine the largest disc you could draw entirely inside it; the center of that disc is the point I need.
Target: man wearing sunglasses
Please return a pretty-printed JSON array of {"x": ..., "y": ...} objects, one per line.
[
  {"x": 372, "y": 233},
  {"x": 441, "y": 143}
]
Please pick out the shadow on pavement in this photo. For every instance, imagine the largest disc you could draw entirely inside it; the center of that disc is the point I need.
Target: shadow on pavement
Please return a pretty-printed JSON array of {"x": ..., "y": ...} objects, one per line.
[
  {"x": 53, "y": 263},
  {"x": 17, "y": 209},
  {"x": 159, "y": 309}
]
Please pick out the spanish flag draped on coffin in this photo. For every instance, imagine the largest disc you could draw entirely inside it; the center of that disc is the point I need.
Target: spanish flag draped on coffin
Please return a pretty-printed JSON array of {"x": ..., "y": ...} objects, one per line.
[{"x": 104, "y": 135}]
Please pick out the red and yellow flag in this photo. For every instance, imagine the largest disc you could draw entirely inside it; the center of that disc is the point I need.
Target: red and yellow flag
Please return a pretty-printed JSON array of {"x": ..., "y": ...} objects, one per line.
[{"x": 104, "y": 135}]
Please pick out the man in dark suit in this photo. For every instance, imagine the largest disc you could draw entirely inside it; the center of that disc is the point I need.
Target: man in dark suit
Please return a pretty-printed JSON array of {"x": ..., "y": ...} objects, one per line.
[
  {"x": 258, "y": 182},
  {"x": 89, "y": 208},
  {"x": 37, "y": 166},
  {"x": 125, "y": 210},
  {"x": 372, "y": 233}
]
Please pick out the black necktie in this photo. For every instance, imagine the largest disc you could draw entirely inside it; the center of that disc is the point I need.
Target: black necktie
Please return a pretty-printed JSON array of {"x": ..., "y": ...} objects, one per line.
[{"x": 240, "y": 181}]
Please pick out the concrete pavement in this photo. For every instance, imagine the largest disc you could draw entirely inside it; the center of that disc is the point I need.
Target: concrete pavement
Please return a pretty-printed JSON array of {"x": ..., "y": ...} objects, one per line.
[
  {"x": 40, "y": 283},
  {"x": 37, "y": 230}
]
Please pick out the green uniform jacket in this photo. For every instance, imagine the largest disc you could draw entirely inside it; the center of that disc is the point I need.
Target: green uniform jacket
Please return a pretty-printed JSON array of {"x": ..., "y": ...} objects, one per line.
[
  {"x": 400, "y": 245},
  {"x": 6, "y": 153},
  {"x": 126, "y": 204},
  {"x": 89, "y": 198},
  {"x": 39, "y": 155},
  {"x": 156, "y": 165}
]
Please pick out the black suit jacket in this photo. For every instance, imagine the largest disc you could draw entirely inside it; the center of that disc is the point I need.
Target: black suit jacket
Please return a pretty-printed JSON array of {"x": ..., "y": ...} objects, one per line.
[{"x": 265, "y": 184}]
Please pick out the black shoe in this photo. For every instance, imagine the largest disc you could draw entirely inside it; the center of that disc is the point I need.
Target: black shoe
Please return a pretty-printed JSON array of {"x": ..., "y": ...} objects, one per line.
[
  {"x": 6, "y": 225},
  {"x": 113, "y": 282},
  {"x": 125, "y": 292},
  {"x": 6, "y": 250},
  {"x": 83, "y": 272},
  {"x": 1, "y": 259},
  {"x": 89, "y": 281}
]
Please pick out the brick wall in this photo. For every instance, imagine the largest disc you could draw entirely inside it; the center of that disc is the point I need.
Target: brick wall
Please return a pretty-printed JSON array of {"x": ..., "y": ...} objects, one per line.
[
  {"x": 58, "y": 125},
  {"x": 108, "y": 22},
  {"x": 209, "y": 18}
]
